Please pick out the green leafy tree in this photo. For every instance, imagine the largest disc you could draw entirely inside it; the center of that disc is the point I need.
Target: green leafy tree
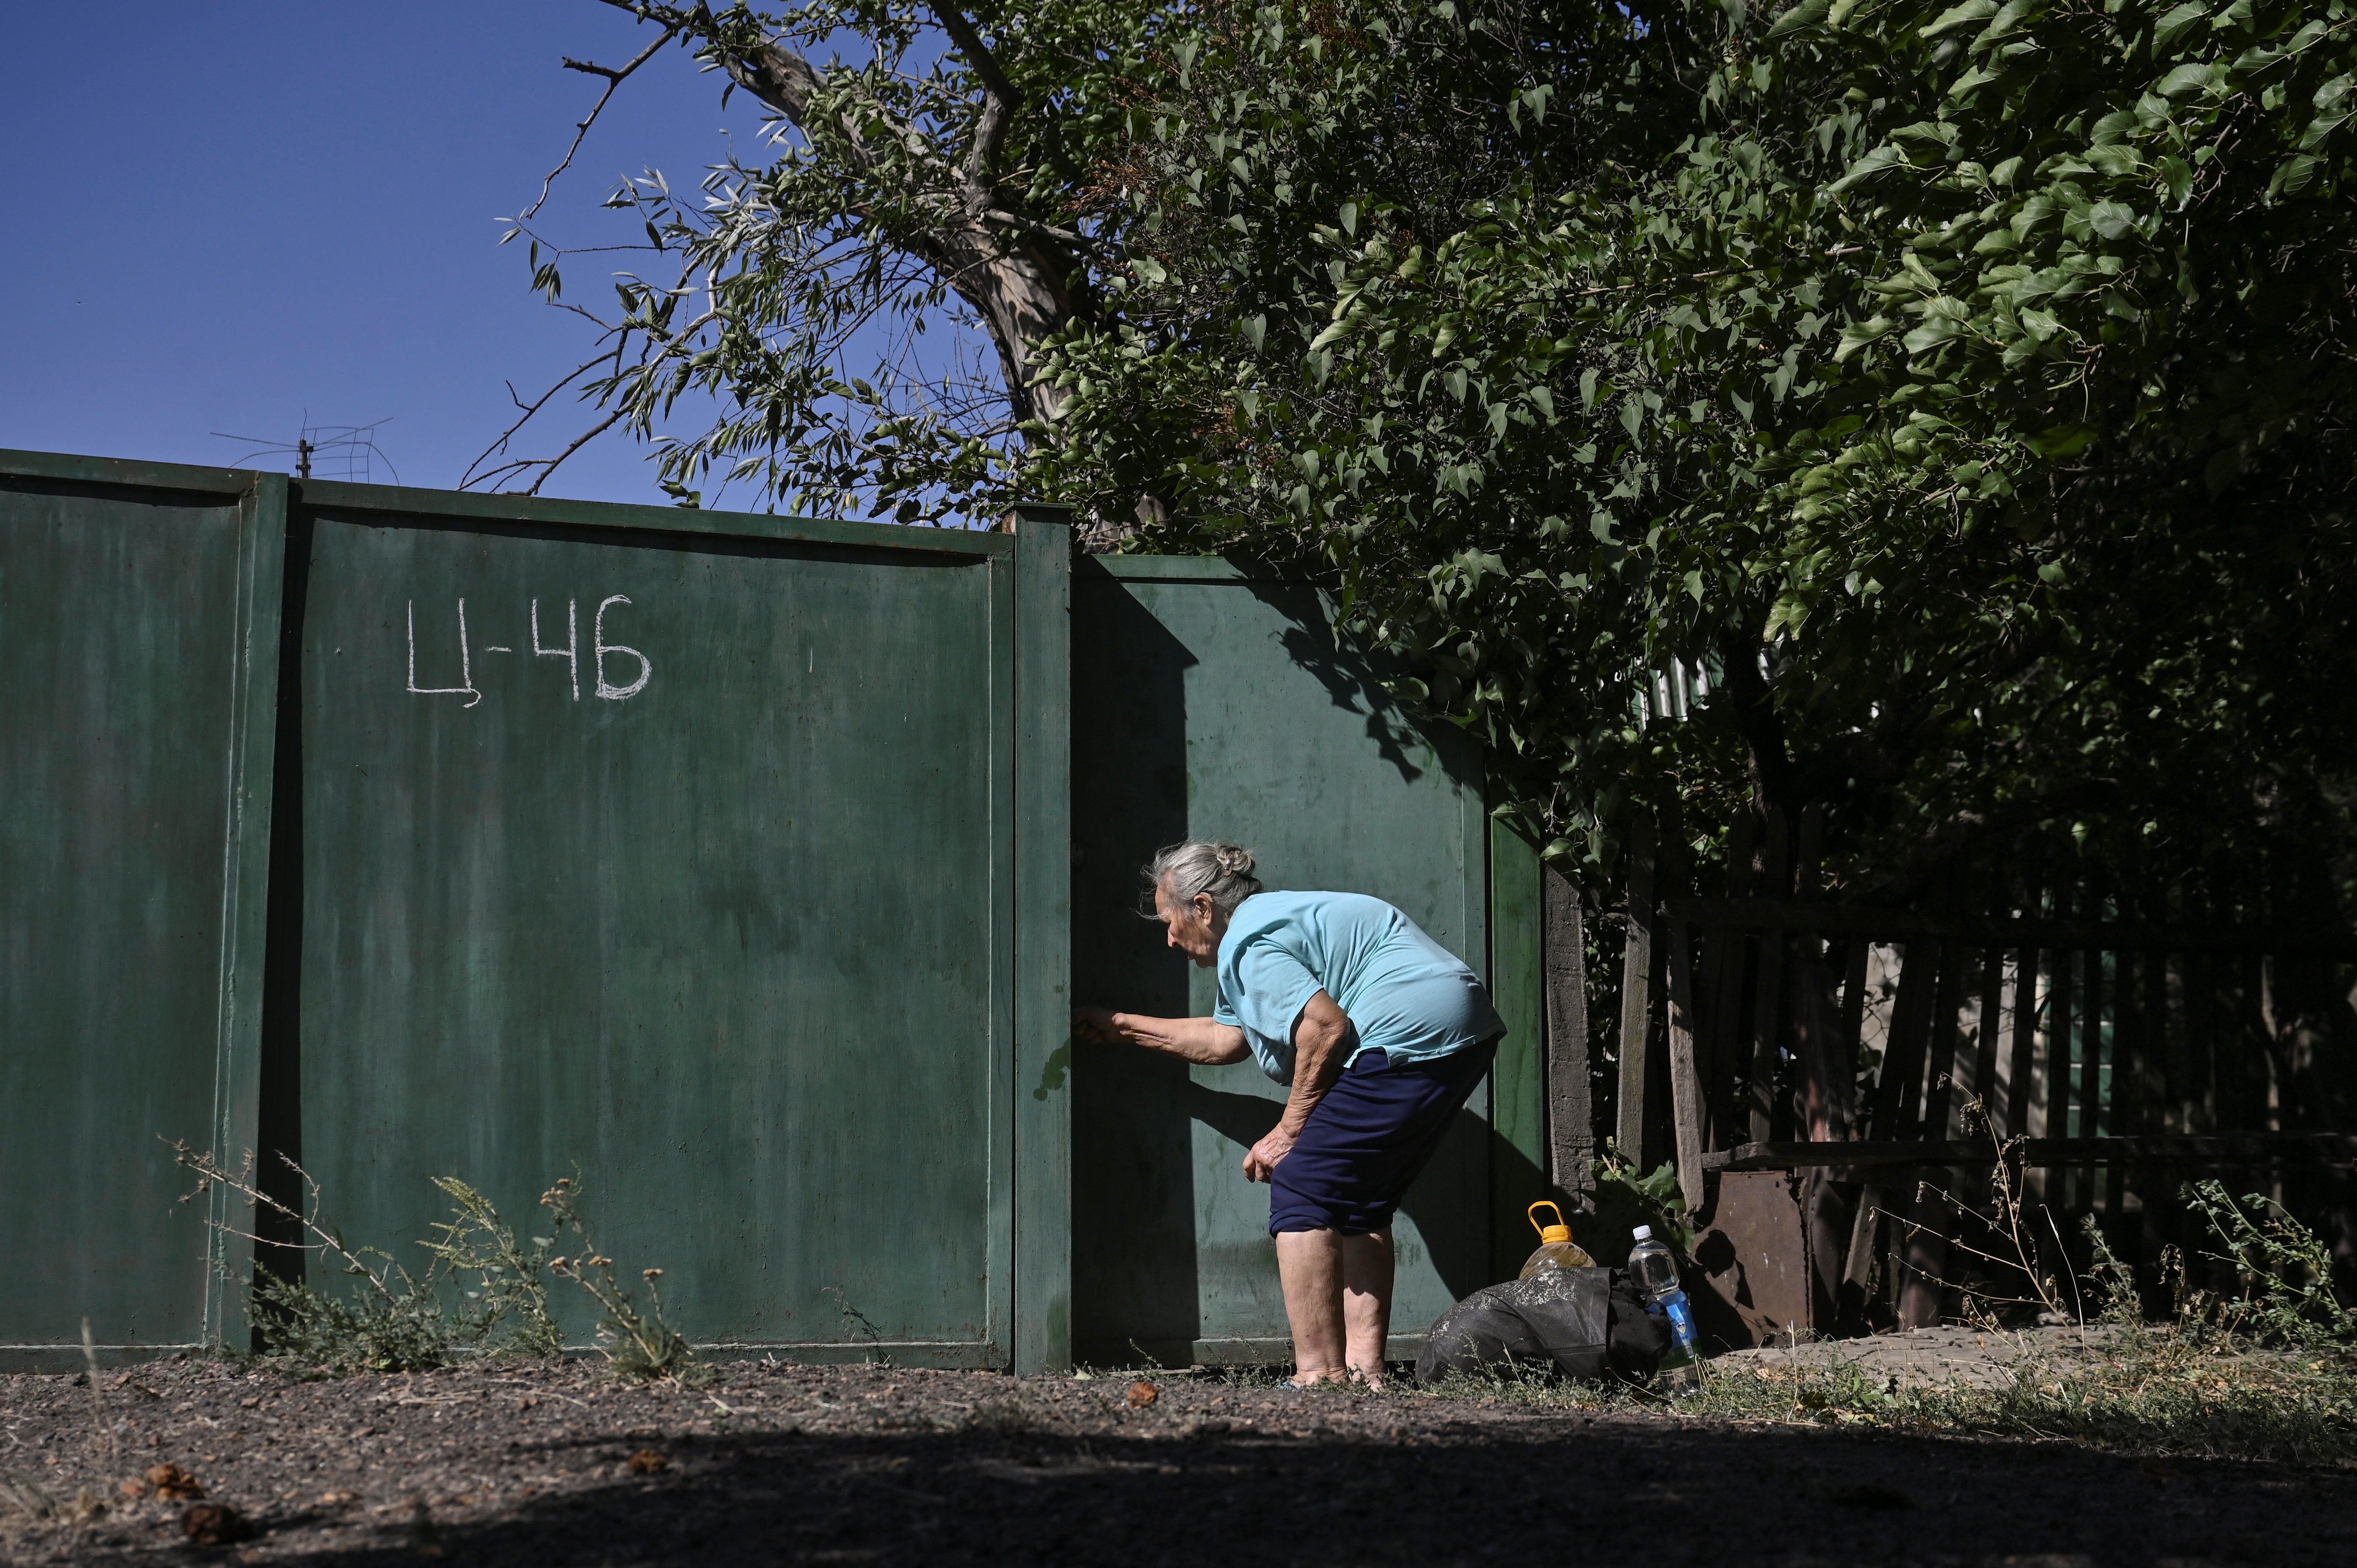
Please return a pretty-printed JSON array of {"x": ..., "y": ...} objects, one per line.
[
  {"x": 1962, "y": 393},
  {"x": 934, "y": 174}
]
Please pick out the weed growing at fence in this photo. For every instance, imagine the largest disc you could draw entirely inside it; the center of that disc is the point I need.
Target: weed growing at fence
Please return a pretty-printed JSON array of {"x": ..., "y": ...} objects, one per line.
[
  {"x": 480, "y": 1294},
  {"x": 861, "y": 1325},
  {"x": 640, "y": 1344},
  {"x": 483, "y": 1292}
]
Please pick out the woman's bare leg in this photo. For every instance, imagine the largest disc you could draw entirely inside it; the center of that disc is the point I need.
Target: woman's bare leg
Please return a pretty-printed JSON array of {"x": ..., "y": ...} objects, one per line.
[
  {"x": 1338, "y": 1296},
  {"x": 1309, "y": 1265},
  {"x": 1367, "y": 1302}
]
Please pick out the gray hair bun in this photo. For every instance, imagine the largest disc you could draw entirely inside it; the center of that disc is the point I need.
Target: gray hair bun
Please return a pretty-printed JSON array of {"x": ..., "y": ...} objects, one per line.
[{"x": 1195, "y": 867}]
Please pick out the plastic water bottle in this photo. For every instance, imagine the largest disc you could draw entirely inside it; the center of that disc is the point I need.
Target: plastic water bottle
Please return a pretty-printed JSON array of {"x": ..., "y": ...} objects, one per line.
[{"x": 1657, "y": 1275}]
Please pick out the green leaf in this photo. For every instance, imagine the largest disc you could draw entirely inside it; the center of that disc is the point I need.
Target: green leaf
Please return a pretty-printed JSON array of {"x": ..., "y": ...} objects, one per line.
[
  {"x": 1957, "y": 16},
  {"x": 1807, "y": 13},
  {"x": 2292, "y": 176},
  {"x": 2333, "y": 107},
  {"x": 2173, "y": 25},
  {"x": 2184, "y": 79},
  {"x": 2065, "y": 441},
  {"x": 2112, "y": 220},
  {"x": 1855, "y": 337},
  {"x": 1876, "y": 162}
]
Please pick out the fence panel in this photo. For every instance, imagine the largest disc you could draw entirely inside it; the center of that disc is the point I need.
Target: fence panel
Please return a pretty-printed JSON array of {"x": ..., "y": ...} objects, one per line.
[
  {"x": 1210, "y": 704},
  {"x": 138, "y": 615},
  {"x": 681, "y": 849}
]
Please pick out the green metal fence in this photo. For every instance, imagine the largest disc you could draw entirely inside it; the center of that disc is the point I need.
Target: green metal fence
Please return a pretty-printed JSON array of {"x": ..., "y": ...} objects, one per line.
[
  {"x": 727, "y": 858},
  {"x": 138, "y": 613}
]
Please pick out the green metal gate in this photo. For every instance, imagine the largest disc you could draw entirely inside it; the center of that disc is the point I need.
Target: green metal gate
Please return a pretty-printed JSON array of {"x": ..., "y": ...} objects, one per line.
[{"x": 1212, "y": 702}]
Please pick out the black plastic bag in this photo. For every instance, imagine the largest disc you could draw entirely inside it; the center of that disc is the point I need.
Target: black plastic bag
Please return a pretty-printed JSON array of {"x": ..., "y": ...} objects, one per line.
[{"x": 1589, "y": 1323}]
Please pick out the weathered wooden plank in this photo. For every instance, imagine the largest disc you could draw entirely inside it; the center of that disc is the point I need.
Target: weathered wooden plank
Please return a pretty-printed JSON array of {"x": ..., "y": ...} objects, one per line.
[
  {"x": 1767, "y": 1017},
  {"x": 1945, "y": 1044},
  {"x": 1570, "y": 1106},
  {"x": 1902, "y": 925},
  {"x": 2054, "y": 1065},
  {"x": 1725, "y": 962},
  {"x": 2146, "y": 1148},
  {"x": 1686, "y": 1107},
  {"x": 1848, "y": 1040},
  {"x": 1923, "y": 1275},
  {"x": 1991, "y": 999},
  {"x": 1636, "y": 979},
  {"x": 2096, "y": 988},
  {"x": 1822, "y": 1096},
  {"x": 1857, "y": 1264},
  {"x": 2021, "y": 1087},
  {"x": 1898, "y": 1087}
]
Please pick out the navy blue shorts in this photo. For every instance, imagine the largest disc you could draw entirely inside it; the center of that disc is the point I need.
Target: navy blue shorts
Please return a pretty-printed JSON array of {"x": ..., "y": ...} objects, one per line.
[{"x": 1369, "y": 1138}]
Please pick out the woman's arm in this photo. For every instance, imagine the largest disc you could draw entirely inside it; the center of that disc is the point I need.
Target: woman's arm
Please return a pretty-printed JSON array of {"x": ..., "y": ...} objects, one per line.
[
  {"x": 1204, "y": 1040},
  {"x": 1321, "y": 1038}
]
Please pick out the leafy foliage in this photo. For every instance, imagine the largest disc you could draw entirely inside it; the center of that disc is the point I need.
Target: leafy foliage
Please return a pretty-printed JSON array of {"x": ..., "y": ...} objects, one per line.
[
  {"x": 1961, "y": 390},
  {"x": 1626, "y": 1197},
  {"x": 933, "y": 197},
  {"x": 2284, "y": 1273},
  {"x": 387, "y": 1319}
]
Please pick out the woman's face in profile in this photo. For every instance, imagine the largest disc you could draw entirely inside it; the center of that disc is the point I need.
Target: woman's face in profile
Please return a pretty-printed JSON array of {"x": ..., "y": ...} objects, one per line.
[{"x": 1194, "y": 930}]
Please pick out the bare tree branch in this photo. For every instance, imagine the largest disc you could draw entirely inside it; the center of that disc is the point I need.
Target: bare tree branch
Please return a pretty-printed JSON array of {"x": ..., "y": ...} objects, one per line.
[
  {"x": 613, "y": 78},
  {"x": 550, "y": 463},
  {"x": 1000, "y": 102}
]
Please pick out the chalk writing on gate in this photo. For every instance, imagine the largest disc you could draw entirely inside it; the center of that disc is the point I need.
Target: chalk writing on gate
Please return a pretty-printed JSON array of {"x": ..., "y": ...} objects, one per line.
[{"x": 600, "y": 650}]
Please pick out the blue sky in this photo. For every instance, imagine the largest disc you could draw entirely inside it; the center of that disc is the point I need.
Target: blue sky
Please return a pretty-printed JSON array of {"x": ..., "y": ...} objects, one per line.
[{"x": 225, "y": 216}]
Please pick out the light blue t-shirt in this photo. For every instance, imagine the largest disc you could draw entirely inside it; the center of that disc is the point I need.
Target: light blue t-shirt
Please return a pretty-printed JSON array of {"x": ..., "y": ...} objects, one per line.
[{"x": 1403, "y": 992}]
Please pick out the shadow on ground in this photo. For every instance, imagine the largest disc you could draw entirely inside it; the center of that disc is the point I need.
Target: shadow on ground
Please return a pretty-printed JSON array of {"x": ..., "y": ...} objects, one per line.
[{"x": 1583, "y": 1491}]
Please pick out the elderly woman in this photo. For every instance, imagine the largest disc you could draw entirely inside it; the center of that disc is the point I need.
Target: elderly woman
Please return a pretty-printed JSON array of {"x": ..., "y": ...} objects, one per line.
[{"x": 1382, "y": 1034}]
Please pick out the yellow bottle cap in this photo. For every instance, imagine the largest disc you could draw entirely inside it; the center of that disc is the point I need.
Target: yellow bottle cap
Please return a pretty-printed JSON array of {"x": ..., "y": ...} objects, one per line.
[{"x": 1549, "y": 1234}]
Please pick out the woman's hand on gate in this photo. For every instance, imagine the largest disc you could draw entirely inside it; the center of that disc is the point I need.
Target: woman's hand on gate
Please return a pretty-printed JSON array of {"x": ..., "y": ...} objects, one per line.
[{"x": 1096, "y": 1024}]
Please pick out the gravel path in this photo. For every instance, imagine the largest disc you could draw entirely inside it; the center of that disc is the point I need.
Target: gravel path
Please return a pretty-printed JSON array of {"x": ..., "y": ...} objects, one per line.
[{"x": 542, "y": 1465}]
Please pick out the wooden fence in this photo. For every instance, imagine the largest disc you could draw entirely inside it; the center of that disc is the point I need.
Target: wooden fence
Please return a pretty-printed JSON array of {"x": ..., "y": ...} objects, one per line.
[{"x": 2116, "y": 1042}]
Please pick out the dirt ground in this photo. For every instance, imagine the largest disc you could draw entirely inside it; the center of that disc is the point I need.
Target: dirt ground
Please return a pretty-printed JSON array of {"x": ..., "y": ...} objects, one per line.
[
  {"x": 543, "y": 1465},
  {"x": 1936, "y": 1357}
]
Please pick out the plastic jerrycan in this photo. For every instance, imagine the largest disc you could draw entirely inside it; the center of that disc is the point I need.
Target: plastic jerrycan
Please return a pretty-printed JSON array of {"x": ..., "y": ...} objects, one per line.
[{"x": 1556, "y": 1249}]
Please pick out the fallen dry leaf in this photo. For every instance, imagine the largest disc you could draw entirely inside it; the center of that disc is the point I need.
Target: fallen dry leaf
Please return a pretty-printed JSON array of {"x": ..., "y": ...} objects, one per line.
[
  {"x": 133, "y": 1488},
  {"x": 337, "y": 1499},
  {"x": 1142, "y": 1393},
  {"x": 172, "y": 1482},
  {"x": 646, "y": 1462},
  {"x": 214, "y": 1524}
]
